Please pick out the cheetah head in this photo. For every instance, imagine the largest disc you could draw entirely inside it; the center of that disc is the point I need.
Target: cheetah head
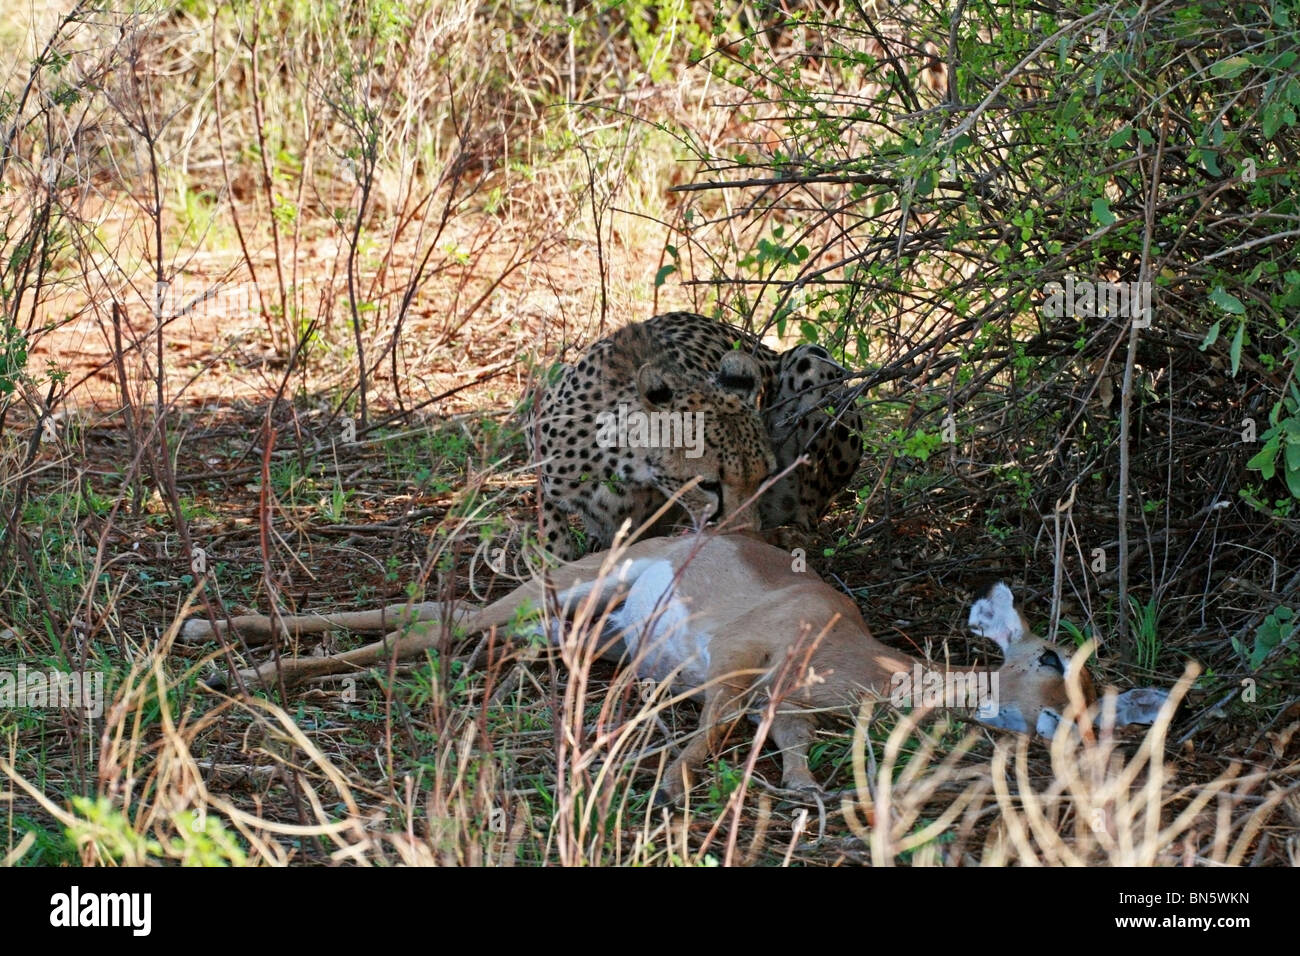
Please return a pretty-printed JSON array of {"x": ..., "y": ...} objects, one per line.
[{"x": 712, "y": 431}]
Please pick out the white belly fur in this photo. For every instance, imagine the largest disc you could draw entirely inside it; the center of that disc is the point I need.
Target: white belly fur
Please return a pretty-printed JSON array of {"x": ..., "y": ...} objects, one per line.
[{"x": 659, "y": 639}]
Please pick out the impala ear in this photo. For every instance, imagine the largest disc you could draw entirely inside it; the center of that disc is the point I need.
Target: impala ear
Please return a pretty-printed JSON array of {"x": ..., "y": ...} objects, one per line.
[
  {"x": 1005, "y": 717},
  {"x": 739, "y": 373},
  {"x": 995, "y": 616},
  {"x": 1140, "y": 705}
]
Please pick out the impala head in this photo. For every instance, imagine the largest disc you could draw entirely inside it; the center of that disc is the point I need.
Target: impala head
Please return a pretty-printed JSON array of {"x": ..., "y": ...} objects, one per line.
[
  {"x": 1033, "y": 694},
  {"x": 725, "y": 443},
  {"x": 1033, "y": 691}
]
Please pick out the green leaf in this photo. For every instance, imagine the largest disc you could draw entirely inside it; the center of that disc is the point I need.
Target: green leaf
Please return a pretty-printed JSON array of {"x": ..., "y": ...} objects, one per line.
[
  {"x": 664, "y": 272},
  {"x": 1264, "y": 460},
  {"x": 1293, "y": 457},
  {"x": 1234, "y": 350},
  {"x": 1227, "y": 301},
  {"x": 1211, "y": 336},
  {"x": 1231, "y": 67},
  {"x": 1272, "y": 120},
  {"x": 1293, "y": 483},
  {"x": 1120, "y": 137},
  {"x": 1101, "y": 212}
]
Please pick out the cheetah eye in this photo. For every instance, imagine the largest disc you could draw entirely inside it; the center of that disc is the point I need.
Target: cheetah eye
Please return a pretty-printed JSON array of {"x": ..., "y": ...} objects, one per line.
[{"x": 659, "y": 396}]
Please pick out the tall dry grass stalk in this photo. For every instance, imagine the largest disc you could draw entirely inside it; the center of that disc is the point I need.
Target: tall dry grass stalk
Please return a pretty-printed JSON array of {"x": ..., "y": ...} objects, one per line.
[
  {"x": 1106, "y": 799},
  {"x": 921, "y": 796}
]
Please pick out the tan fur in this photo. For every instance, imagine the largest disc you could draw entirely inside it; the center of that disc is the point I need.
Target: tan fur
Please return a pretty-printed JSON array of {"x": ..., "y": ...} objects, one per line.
[{"x": 762, "y": 620}]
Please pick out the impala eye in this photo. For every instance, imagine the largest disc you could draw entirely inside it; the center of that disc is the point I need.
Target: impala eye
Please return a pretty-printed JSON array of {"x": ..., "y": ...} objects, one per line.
[{"x": 1049, "y": 658}]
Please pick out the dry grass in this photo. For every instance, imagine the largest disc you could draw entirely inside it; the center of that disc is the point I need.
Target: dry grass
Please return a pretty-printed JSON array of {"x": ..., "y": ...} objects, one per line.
[
  {"x": 915, "y": 791},
  {"x": 374, "y": 229}
]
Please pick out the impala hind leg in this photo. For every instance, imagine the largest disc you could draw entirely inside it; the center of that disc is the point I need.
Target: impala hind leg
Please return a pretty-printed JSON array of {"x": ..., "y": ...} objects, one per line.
[
  {"x": 262, "y": 628},
  {"x": 583, "y": 580},
  {"x": 402, "y": 644},
  {"x": 726, "y": 701},
  {"x": 793, "y": 733}
]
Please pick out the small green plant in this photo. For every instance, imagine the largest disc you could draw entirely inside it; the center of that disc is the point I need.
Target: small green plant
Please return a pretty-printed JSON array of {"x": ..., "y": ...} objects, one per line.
[
  {"x": 662, "y": 31},
  {"x": 1077, "y": 635},
  {"x": 334, "y": 507},
  {"x": 725, "y": 780},
  {"x": 919, "y": 445},
  {"x": 1281, "y": 451},
  {"x": 291, "y": 480},
  {"x": 1279, "y": 628},
  {"x": 103, "y": 825},
  {"x": 48, "y": 848},
  {"x": 202, "y": 840},
  {"x": 1146, "y": 636},
  {"x": 13, "y": 358}
]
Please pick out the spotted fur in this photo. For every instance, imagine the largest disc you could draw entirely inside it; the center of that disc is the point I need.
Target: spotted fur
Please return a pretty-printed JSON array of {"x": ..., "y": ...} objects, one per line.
[{"x": 761, "y": 410}]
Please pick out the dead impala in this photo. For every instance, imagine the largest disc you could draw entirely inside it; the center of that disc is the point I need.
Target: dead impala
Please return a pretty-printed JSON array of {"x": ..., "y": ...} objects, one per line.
[{"x": 727, "y": 613}]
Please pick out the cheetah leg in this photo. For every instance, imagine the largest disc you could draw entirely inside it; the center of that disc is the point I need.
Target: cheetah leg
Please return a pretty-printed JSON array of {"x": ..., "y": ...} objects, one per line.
[{"x": 555, "y": 529}]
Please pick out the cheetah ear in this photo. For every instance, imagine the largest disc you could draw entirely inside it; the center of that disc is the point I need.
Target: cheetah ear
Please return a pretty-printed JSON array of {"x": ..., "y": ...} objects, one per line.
[
  {"x": 652, "y": 385},
  {"x": 739, "y": 373}
]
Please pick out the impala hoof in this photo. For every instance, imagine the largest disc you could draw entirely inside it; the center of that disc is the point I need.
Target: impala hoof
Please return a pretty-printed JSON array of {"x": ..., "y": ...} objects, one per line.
[
  {"x": 670, "y": 796},
  {"x": 195, "y": 631}
]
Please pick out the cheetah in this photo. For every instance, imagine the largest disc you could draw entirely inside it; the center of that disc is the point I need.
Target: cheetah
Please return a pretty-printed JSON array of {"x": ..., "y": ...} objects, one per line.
[{"x": 742, "y": 412}]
